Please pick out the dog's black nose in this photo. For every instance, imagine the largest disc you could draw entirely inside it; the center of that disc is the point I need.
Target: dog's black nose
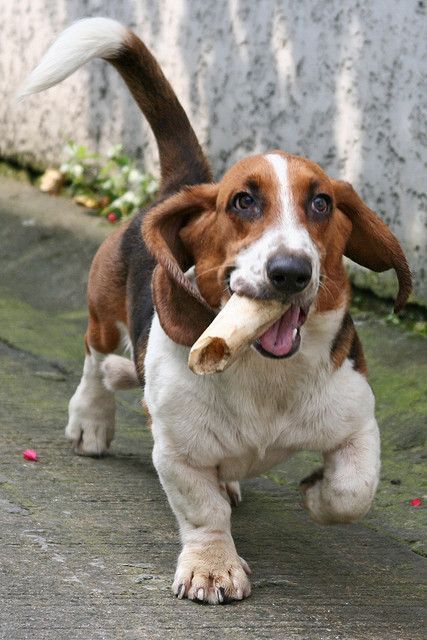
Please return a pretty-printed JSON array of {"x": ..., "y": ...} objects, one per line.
[{"x": 289, "y": 274}]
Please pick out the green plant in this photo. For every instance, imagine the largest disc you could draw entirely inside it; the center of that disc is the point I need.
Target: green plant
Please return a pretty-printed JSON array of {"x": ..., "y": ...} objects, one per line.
[{"x": 113, "y": 185}]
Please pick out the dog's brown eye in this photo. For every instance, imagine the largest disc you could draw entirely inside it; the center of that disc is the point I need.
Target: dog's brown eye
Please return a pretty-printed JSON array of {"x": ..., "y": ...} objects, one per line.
[
  {"x": 321, "y": 204},
  {"x": 242, "y": 201}
]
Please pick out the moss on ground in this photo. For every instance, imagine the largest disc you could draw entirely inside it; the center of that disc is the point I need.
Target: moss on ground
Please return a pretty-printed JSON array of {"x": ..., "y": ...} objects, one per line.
[{"x": 55, "y": 338}]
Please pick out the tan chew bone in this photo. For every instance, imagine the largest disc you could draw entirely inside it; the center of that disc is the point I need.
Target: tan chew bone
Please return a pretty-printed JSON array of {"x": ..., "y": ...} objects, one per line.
[{"x": 237, "y": 325}]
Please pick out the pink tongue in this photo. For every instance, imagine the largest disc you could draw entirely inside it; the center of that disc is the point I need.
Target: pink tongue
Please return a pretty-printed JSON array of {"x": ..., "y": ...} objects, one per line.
[{"x": 278, "y": 338}]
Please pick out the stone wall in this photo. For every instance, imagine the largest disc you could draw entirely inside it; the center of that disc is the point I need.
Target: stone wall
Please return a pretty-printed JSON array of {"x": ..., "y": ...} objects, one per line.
[{"x": 341, "y": 81}]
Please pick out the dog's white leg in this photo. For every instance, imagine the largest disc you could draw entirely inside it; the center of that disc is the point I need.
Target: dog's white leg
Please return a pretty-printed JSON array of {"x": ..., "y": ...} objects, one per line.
[
  {"x": 209, "y": 568},
  {"x": 91, "y": 410},
  {"x": 345, "y": 490}
]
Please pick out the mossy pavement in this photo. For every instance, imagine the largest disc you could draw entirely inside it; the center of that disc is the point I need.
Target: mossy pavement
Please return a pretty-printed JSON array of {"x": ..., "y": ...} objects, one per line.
[{"x": 88, "y": 546}]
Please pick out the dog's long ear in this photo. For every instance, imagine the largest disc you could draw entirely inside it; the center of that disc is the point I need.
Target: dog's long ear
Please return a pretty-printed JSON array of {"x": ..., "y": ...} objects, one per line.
[
  {"x": 371, "y": 243},
  {"x": 182, "y": 311}
]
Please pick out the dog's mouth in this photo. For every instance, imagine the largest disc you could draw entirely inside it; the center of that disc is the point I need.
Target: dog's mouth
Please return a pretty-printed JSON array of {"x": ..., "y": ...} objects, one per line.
[{"x": 283, "y": 338}]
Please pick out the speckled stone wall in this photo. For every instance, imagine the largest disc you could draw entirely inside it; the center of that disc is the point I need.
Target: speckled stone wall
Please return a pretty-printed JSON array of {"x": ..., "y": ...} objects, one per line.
[{"x": 341, "y": 81}]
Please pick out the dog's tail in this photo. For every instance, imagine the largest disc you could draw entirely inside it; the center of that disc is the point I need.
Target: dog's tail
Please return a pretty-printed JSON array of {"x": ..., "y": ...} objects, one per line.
[{"x": 182, "y": 160}]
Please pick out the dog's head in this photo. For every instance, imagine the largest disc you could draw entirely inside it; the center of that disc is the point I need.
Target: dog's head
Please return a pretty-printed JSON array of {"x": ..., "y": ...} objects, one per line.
[{"x": 275, "y": 226}]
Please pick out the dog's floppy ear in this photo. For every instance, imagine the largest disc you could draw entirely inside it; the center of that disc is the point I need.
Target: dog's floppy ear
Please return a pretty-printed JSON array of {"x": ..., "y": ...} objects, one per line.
[
  {"x": 182, "y": 311},
  {"x": 371, "y": 243}
]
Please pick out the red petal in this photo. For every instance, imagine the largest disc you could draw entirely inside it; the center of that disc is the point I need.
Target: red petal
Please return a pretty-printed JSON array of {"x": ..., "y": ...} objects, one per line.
[{"x": 30, "y": 454}]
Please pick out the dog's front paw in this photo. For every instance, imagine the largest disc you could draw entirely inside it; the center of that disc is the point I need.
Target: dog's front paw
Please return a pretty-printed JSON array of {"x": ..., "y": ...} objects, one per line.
[
  {"x": 312, "y": 500},
  {"x": 212, "y": 573},
  {"x": 310, "y": 481},
  {"x": 310, "y": 488},
  {"x": 329, "y": 505}
]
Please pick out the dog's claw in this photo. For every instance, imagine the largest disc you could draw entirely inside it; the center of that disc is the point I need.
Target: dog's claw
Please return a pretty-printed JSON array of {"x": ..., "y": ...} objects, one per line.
[
  {"x": 200, "y": 595},
  {"x": 246, "y": 567},
  {"x": 181, "y": 592}
]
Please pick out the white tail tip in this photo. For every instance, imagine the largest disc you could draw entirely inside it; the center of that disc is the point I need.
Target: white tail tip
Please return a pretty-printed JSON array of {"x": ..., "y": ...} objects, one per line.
[{"x": 85, "y": 39}]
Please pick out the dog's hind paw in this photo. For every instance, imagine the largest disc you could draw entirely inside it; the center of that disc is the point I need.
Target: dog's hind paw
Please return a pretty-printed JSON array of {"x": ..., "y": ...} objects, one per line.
[
  {"x": 91, "y": 422},
  {"x": 89, "y": 439}
]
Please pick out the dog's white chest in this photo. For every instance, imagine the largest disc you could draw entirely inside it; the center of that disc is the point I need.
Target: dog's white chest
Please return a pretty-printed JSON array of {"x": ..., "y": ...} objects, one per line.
[{"x": 248, "y": 418}]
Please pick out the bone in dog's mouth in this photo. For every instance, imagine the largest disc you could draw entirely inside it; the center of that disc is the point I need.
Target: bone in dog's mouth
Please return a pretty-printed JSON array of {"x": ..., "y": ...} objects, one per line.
[{"x": 283, "y": 338}]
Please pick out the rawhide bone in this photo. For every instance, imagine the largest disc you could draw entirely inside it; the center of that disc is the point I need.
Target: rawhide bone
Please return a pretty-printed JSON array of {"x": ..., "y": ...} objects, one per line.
[{"x": 236, "y": 326}]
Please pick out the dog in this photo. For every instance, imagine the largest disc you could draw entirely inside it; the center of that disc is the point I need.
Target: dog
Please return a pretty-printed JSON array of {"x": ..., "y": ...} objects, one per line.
[{"x": 275, "y": 227}]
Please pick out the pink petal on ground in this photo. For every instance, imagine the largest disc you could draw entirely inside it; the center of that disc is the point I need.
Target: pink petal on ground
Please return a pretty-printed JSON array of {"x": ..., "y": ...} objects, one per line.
[{"x": 30, "y": 454}]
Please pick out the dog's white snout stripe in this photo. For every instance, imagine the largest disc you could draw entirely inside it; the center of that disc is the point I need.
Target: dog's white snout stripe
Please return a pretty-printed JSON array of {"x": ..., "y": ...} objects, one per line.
[{"x": 295, "y": 235}]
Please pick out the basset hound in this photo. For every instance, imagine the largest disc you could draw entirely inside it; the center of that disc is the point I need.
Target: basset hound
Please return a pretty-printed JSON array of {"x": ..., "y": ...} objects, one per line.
[{"x": 275, "y": 226}]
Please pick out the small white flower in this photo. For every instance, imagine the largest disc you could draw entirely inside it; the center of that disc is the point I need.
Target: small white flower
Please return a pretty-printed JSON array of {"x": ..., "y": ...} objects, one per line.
[
  {"x": 151, "y": 187},
  {"x": 77, "y": 170},
  {"x": 130, "y": 197},
  {"x": 116, "y": 203},
  {"x": 114, "y": 151},
  {"x": 135, "y": 176}
]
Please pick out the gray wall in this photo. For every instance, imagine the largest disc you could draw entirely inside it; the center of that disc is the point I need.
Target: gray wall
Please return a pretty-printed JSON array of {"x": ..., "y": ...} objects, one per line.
[{"x": 341, "y": 81}]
